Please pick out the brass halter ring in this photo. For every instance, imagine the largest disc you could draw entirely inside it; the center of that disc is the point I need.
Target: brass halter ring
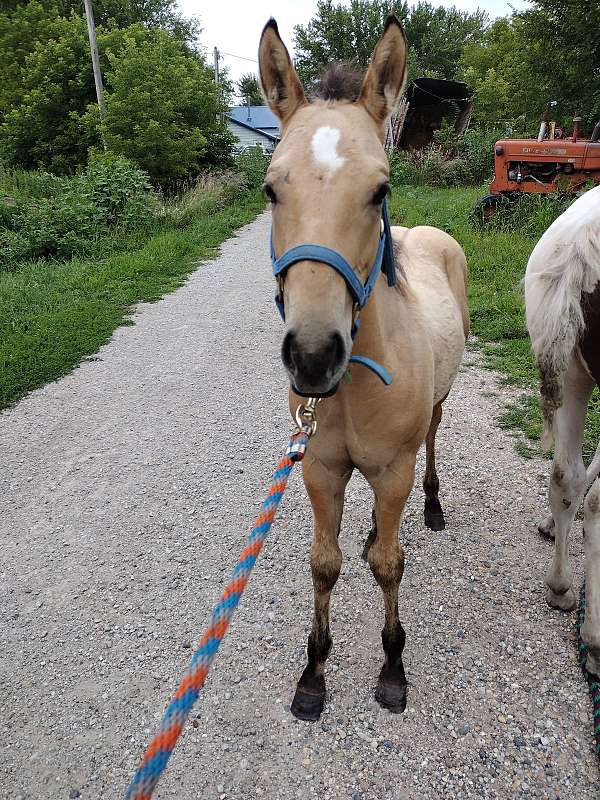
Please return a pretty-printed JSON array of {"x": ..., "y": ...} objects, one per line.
[{"x": 306, "y": 415}]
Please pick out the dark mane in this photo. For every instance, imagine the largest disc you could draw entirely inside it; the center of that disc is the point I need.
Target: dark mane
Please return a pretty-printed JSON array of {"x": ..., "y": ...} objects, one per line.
[{"x": 340, "y": 81}]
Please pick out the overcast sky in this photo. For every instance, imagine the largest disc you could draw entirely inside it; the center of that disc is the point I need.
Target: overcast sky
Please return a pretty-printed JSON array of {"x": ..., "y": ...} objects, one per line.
[{"x": 234, "y": 26}]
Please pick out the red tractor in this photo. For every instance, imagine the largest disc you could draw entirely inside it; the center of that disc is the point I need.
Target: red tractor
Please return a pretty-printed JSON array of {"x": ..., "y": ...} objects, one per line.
[{"x": 542, "y": 165}]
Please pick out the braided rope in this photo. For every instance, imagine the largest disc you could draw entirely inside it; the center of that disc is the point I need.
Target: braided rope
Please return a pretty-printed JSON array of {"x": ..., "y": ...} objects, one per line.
[
  {"x": 592, "y": 679},
  {"x": 160, "y": 748}
]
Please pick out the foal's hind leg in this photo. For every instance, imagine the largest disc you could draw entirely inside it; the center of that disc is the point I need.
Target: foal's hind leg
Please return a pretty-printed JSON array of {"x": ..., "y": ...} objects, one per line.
[
  {"x": 434, "y": 515},
  {"x": 386, "y": 559},
  {"x": 370, "y": 538},
  {"x": 326, "y": 492},
  {"x": 568, "y": 481}
]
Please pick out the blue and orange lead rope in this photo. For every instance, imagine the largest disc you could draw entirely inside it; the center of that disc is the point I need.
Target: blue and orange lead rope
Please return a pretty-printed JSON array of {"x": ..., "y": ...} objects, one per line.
[{"x": 160, "y": 748}]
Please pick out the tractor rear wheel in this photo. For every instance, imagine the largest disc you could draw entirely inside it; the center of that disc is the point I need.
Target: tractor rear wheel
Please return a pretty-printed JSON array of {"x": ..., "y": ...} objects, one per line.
[{"x": 486, "y": 207}]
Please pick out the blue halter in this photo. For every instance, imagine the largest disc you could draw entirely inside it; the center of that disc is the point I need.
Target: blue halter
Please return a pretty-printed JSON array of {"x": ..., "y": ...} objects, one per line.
[{"x": 384, "y": 262}]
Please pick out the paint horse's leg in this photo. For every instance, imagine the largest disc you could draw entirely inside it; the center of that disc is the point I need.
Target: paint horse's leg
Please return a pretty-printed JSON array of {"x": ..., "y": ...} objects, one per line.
[
  {"x": 434, "y": 515},
  {"x": 568, "y": 481},
  {"x": 326, "y": 493},
  {"x": 590, "y": 631},
  {"x": 386, "y": 559},
  {"x": 546, "y": 526}
]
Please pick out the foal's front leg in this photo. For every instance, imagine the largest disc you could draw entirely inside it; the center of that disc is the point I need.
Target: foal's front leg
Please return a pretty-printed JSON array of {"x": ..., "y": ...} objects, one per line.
[
  {"x": 326, "y": 492},
  {"x": 386, "y": 559}
]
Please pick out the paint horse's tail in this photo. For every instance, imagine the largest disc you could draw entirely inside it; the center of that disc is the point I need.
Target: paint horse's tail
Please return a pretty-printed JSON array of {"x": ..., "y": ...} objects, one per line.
[{"x": 553, "y": 293}]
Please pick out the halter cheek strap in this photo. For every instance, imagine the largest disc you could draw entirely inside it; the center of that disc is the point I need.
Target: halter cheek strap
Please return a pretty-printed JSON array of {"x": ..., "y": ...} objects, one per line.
[{"x": 384, "y": 262}]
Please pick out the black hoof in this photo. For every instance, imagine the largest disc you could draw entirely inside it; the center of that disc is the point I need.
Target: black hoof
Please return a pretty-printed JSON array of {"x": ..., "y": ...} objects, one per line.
[
  {"x": 307, "y": 705},
  {"x": 434, "y": 520},
  {"x": 391, "y": 696}
]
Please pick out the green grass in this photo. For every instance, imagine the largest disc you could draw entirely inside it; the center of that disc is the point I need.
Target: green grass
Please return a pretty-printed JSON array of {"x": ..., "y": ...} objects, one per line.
[
  {"x": 54, "y": 314},
  {"x": 497, "y": 259}
]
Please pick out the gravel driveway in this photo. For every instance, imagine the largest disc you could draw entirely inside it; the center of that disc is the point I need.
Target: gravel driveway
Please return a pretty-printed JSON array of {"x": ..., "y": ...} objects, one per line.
[{"x": 127, "y": 489}]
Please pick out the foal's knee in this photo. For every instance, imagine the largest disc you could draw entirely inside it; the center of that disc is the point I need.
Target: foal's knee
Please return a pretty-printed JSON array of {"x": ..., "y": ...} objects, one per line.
[
  {"x": 325, "y": 563},
  {"x": 386, "y": 563}
]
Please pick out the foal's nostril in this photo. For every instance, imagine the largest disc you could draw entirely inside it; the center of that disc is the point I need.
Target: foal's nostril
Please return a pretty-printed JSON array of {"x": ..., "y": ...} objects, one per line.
[
  {"x": 338, "y": 350},
  {"x": 287, "y": 349}
]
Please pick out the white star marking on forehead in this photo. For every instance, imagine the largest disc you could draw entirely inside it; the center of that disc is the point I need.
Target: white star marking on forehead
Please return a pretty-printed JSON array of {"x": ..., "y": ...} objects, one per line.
[{"x": 324, "y": 146}]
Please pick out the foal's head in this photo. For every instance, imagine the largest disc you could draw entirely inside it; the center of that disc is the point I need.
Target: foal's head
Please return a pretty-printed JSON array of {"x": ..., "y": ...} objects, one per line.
[{"x": 327, "y": 180}]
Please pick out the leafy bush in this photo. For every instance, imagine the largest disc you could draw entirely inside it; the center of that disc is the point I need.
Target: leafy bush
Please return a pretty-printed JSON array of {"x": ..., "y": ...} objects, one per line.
[
  {"x": 119, "y": 190},
  {"x": 112, "y": 197},
  {"x": 428, "y": 167},
  {"x": 253, "y": 164},
  {"x": 450, "y": 161},
  {"x": 163, "y": 108},
  {"x": 476, "y": 147}
]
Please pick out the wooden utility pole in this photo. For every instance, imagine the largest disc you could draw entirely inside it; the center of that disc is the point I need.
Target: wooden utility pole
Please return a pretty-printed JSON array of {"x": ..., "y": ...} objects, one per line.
[
  {"x": 89, "y": 14},
  {"x": 216, "y": 57}
]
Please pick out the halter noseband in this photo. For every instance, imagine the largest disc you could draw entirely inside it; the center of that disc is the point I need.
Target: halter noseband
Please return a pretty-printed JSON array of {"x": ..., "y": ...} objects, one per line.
[{"x": 384, "y": 262}]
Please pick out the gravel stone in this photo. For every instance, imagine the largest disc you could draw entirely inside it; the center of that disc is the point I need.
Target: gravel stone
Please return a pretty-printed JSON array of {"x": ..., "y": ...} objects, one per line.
[{"x": 124, "y": 508}]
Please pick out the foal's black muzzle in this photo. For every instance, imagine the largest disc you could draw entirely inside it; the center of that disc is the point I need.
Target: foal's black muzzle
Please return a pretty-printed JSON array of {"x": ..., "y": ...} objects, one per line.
[{"x": 314, "y": 369}]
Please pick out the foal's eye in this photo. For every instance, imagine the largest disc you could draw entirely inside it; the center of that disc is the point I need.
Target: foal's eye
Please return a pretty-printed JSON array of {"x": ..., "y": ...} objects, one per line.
[
  {"x": 380, "y": 194},
  {"x": 268, "y": 190}
]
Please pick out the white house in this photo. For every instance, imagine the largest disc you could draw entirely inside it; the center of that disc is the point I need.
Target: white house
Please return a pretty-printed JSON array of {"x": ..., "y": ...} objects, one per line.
[{"x": 254, "y": 125}]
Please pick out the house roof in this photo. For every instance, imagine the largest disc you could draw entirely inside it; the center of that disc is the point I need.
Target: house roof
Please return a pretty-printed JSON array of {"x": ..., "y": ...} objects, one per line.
[
  {"x": 259, "y": 131},
  {"x": 254, "y": 117}
]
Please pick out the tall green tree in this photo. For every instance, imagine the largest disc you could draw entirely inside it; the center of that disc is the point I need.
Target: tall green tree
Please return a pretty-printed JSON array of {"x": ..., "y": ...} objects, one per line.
[
  {"x": 551, "y": 51},
  {"x": 51, "y": 87},
  {"x": 121, "y": 13},
  {"x": 436, "y": 36},
  {"x": 164, "y": 109},
  {"x": 497, "y": 70},
  {"x": 249, "y": 89},
  {"x": 564, "y": 53}
]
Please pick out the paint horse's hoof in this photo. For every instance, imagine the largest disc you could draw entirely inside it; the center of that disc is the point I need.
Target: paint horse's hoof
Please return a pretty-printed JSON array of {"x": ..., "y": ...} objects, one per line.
[
  {"x": 391, "y": 696},
  {"x": 565, "y": 601},
  {"x": 546, "y": 527},
  {"x": 593, "y": 662},
  {"x": 308, "y": 701}
]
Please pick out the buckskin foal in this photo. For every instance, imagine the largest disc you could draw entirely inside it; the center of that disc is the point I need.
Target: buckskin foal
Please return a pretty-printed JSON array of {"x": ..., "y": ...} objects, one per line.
[
  {"x": 327, "y": 182},
  {"x": 562, "y": 296}
]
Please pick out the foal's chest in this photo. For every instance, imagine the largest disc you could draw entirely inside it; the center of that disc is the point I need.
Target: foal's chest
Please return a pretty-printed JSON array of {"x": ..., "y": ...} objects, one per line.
[{"x": 590, "y": 343}]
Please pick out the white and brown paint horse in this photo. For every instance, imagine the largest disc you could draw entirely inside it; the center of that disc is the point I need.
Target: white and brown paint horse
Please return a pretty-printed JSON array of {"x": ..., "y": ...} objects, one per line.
[
  {"x": 562, "y": 296},
  {"x": 327, "y": 180}
]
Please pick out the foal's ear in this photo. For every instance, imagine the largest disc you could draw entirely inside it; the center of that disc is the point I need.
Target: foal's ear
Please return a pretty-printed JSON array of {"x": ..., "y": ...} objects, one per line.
[
  {"x": 280, "y": 84},
  {"x": 384, "y": 80}
]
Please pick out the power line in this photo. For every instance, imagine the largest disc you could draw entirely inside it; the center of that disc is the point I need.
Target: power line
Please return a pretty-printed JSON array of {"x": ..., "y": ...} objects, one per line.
[{"x": 242, "y": 58}]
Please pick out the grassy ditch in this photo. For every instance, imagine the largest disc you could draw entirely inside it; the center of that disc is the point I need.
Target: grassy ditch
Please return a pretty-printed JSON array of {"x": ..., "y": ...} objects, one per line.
[
  {"x": 497, "y": 256},
  {"x": 56, "y": 310}
]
